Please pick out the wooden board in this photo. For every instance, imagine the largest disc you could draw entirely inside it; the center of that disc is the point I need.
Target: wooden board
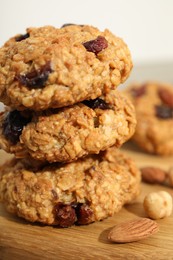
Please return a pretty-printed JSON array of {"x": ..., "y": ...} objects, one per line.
[{"x": 22, "y": 240}]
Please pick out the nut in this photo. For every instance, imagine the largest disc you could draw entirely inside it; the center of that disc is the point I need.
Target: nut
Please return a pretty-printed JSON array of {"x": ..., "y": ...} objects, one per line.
[
  {"x": 158, "y": 204},
  {"x": 133, "y": 230},
  {"x": 153, "y": 175}
]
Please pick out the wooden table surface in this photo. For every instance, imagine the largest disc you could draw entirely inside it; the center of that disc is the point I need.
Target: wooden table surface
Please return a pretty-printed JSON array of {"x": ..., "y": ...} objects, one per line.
[{"x": 21, "y": 240}]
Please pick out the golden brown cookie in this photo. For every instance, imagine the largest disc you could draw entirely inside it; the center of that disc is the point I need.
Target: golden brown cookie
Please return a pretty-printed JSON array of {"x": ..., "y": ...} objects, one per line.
[
  {"x": 66, "y": 134},
  {"x": 153, "y": 103},
  {"x": 51, "y": 68},
  {"x": 84, "y": 191}
]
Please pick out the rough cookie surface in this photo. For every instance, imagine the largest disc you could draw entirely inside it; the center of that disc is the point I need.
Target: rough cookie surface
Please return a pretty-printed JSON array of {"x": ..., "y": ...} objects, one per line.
[
  {"x": 82, "y": 192},
  {"x": 153, "y": 103},
  {"x": 51, "y": 68},
  {"x": 72, "y": 132}
]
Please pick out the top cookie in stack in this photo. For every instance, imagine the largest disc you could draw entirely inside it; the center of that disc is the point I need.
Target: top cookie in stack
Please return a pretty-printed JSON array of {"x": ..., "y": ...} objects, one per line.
[
  {"x": 60, "y": 85},
  {"x": 53, "y": 68}
]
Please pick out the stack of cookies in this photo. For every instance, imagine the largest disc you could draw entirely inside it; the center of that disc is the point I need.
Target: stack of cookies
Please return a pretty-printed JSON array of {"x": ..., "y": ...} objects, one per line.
[{"x": 63, "y": 121}]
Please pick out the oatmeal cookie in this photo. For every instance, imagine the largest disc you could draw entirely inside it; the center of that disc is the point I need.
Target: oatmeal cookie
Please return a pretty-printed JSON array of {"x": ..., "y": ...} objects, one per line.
[
  {"x": 52, "y": 68},
  {"x": 153, "y": 102},
  {"x": 65, "y": 134},
  {"x": 84, "y": 191}
]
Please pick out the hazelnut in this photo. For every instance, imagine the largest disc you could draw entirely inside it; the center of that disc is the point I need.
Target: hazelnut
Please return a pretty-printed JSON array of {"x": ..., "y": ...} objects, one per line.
[{"x": 158, "y": 204}]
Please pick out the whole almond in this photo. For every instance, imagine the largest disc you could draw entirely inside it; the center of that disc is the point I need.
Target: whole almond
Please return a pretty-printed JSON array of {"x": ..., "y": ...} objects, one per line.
[
  {"x": 153, "y": 175},
  {"x": 133, "y": 230}
]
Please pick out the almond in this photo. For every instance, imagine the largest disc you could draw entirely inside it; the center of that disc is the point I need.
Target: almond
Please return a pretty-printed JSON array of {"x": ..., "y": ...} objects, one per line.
[
  {"x": 133, "y": 230},
  {"x": 153, "y": 175}
]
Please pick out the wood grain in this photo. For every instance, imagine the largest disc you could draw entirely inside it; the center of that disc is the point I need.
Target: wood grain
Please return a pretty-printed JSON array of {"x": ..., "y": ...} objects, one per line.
[{"x": 21, "y": 240}]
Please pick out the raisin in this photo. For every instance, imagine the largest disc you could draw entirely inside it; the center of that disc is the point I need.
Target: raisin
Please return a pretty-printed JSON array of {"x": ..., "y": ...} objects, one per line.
[
  {"x": 96, "y": 45},
  {"x": 166, "y": 97},
  {"x": 96, "y": 103},
  {"x": 54, "y": 194},
  {"x": 36, "y": 78},
  {"x": 13, "y": 126},
  {"x": 67, "y": 24},
  {"x": 96, "y": 122},
  {"x": 164, "y": 112},
  {"x": 22, "y": 37},
  {"x": 138, "y": 92},
  {"x": 84, "y": 214},
  {"x": 65, "y": 215}
]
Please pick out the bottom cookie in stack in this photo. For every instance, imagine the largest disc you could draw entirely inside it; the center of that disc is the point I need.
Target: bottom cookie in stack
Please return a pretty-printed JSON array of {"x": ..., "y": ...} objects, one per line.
[{"x": 87, "y": 190}]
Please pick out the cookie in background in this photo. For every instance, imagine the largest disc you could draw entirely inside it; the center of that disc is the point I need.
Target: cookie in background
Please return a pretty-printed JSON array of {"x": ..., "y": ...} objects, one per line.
[{"x": 153, "y": 103}]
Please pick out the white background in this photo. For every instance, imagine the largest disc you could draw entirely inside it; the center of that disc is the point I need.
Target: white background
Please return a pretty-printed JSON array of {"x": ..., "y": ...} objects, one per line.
[{"x": 146, "y": 26}]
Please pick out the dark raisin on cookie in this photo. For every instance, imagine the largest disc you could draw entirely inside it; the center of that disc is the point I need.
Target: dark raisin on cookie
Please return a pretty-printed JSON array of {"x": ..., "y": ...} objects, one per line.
[
  {"x": 163, "y": 112},
  {"x": 96, "y": 122},
  {"x": 54, "y": 194},
  {"x": 138, "y": 91},
  {"x": 36, "y": 78},
  {"x": 13, "y": 125},
  {"x": 84, "y": 214},
  {"x": 67, "y": 24},
  {"x": 96, "y": 45},
  {"x": 22, "y": 37},
  {"x": 65, "y": 215},
  {"x": 96, "y": 103},
  {"x": 74, "y": 213},
  {"x": 166, "y": 97}
]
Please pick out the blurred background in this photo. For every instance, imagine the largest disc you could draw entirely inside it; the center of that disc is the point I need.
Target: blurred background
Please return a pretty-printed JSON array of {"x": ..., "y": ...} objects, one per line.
[{"x": 146, "y": 26}]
